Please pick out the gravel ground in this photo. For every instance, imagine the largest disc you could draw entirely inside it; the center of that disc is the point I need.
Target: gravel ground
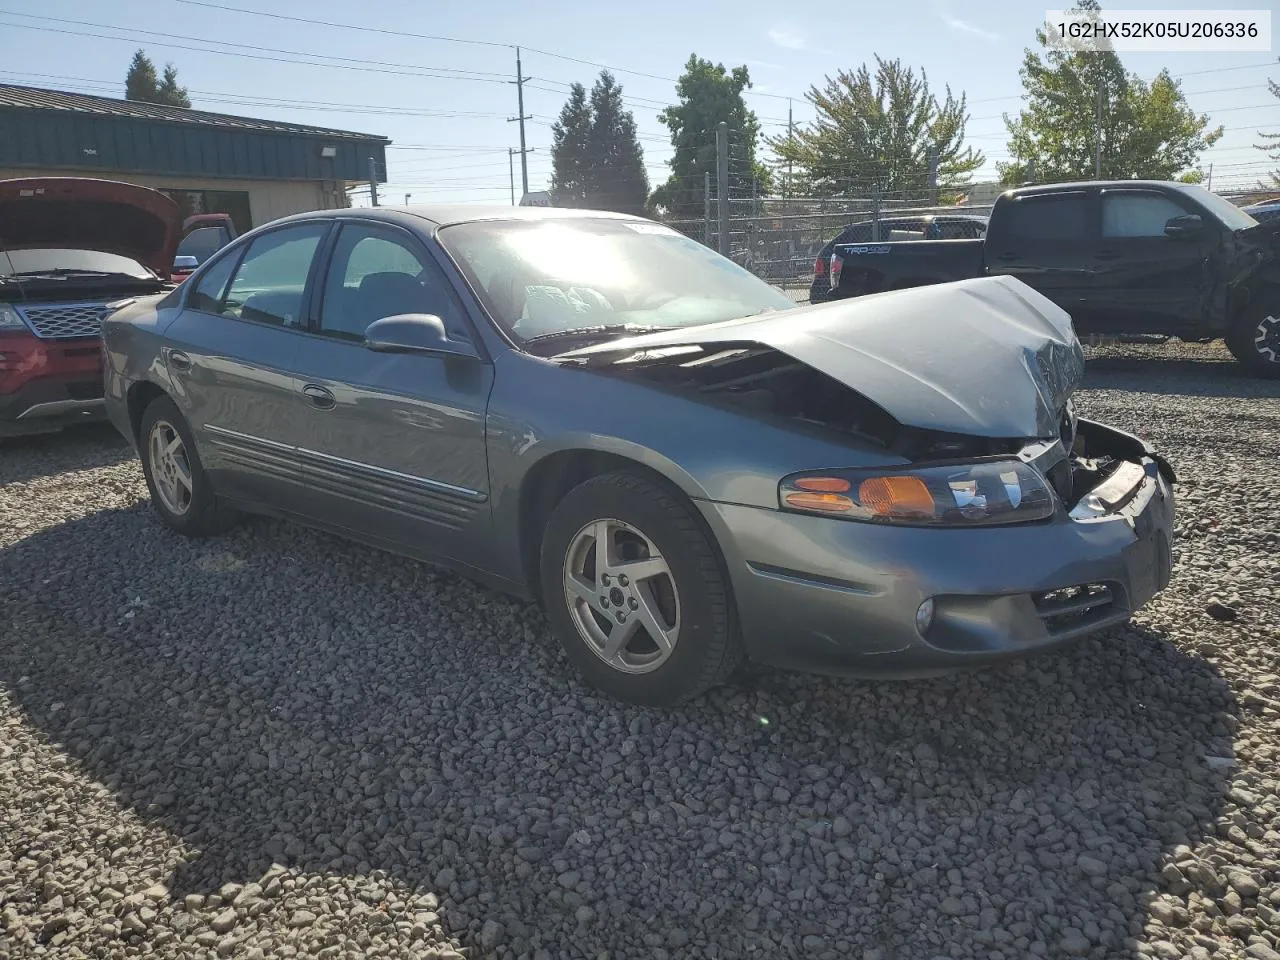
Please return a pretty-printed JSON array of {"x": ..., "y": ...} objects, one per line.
[{"x": 275, "y": 744}]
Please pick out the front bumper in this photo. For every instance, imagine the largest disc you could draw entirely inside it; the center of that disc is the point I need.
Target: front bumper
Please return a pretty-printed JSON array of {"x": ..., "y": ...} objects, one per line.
[
  {"x": 48, "y": 385},
  {"x": 835, "y": 596}
]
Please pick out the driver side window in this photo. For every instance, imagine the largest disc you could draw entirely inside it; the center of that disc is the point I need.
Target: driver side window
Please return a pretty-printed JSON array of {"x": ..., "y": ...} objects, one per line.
[{"x": 374, "y": 274}]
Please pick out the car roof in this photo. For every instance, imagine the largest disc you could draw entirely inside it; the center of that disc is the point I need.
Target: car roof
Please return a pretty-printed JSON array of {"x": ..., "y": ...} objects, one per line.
[{"x": 448, "y": 214}]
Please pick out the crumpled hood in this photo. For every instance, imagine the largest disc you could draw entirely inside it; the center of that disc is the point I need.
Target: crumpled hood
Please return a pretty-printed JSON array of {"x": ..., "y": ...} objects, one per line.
[
  {"x": 988, "y": 357},
  {"x": 91, "y": 214}
]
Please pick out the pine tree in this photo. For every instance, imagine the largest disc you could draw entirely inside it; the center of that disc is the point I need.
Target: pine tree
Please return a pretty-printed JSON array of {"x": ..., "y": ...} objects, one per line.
[
  {"x": 615, "y": 174},
  {"x": 169, "y": 92},
  {"x": 570, "y": 135},
  {"x": 140, "y": 83}
]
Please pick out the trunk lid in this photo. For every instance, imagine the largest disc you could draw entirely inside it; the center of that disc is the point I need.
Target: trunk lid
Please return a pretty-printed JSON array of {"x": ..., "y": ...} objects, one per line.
[
  {"x": 91, "y": 214},
  {"x": 988, "y": 357}
]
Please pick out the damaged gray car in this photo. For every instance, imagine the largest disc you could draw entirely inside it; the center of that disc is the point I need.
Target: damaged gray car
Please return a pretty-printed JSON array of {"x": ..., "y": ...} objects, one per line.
[{"x": 681, "y": 466}]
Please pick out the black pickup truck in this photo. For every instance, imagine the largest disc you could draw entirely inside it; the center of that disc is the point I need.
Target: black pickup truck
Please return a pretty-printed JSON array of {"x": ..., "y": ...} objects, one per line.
[{"x": 1122, "y": 257}]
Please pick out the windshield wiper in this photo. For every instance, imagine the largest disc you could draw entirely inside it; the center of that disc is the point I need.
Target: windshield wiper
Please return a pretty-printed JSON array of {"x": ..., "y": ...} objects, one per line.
[
  {"x": 589, "y": 333},
  {"x": 68, "y": 272}
]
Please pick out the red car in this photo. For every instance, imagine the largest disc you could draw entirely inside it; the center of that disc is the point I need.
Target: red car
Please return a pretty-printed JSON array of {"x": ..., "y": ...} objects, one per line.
[{"x": 69, "y": 247}]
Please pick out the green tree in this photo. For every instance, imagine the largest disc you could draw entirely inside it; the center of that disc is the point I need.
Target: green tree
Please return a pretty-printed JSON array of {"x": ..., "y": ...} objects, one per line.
[
  {"x": 596, "y": 158},
  {"x": 1271, "y": 144},
  {"x": 709, "y": 94},
  {"x": 169, "y": 93},
  {"x": 879, "y": 128},
  {"x": 569, "y": 139},
  {"x": 616, "y": 178},
  {"x": 142, "y": 84},
  {"x": 1147, "y": 130}
]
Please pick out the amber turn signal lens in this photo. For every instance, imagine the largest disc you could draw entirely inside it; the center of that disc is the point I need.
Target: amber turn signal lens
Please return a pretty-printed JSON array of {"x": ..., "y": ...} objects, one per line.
[
  {"x": 822, "y": 484},
  {"x": 896, "y": 496},
  {"x": 826, "y": 502}
]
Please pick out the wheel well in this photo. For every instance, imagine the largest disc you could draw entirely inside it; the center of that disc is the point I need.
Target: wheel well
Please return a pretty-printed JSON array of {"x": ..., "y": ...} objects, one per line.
[
  {"x": 548, "y": 482},
  {"x": 139, "y": 398}
]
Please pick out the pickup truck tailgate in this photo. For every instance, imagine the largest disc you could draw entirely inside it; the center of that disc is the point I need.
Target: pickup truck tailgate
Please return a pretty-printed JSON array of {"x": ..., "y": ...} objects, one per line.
[{"x": 862, "y": 268}]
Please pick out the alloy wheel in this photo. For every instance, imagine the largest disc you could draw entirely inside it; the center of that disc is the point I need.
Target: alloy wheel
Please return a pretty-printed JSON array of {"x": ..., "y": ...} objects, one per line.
[
  {"x": 621, "y": 596},
  {"x": 170, "y": 467}
]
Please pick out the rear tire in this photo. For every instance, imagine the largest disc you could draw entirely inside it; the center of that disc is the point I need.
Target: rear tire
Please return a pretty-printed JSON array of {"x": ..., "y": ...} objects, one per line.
[
  {"x": 1254, "y": 340},
  {"x": 180, "y": 490},
  {"x": 648, "y": 619}
]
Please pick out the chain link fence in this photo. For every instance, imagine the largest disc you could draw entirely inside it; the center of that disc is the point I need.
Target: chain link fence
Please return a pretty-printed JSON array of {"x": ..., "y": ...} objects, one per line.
[{"x": 778, "y": 239}]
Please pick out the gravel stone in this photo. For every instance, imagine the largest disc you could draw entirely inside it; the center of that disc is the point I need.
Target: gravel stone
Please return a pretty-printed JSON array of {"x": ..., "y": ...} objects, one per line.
[{"x": 276, "y": 744}]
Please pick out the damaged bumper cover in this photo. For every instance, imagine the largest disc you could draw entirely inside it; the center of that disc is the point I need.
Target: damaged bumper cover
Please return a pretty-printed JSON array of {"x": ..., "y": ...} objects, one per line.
[{"x": 834, "y": 596}]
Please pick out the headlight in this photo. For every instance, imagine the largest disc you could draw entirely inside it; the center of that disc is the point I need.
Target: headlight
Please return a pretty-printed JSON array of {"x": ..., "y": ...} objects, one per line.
[
  {"x": 954, "y": 495},
  {"x": 9, "y": 319}
]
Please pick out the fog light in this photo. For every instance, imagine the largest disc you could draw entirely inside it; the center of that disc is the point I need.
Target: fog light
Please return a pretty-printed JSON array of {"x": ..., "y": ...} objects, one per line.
[{"x": 924, "y": 617}]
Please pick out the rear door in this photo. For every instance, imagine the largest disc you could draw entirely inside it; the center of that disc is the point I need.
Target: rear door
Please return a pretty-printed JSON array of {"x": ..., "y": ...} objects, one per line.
[
  {"x": 393, "y": 445},
  {"x": 1144, "y": 280},
  {"x": 1046, "y": 241},
  {"x": 232, "y": 357}
]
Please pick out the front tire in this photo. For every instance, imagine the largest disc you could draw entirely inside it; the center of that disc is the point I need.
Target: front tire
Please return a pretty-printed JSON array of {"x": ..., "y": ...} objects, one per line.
[
  {"x": 634, "y": 589},
  {"x": 1254, "y": 340},
  {"x": 180, "y": 490}
]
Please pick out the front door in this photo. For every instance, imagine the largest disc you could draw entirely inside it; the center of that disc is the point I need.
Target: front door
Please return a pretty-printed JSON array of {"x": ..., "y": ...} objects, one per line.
[
  {"x": 1147, "y": 281},
  {"x": 393, "y": 444},
  {"x": 232, "y": 358}
]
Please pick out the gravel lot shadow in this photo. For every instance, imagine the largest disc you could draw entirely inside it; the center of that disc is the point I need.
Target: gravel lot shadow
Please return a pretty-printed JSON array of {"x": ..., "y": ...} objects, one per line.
[
  {"x": 276, "y": 695},
  {"x": 49, "y": 454},
  {"x": 1146, "y": 370}
]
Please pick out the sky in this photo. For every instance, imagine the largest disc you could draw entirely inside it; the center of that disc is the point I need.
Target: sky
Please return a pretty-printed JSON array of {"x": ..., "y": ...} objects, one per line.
[{"x": 445, "y": 104}]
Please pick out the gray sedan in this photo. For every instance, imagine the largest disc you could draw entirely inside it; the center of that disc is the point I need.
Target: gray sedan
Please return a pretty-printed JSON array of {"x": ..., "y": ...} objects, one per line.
[{"x": 684, "y": 468}]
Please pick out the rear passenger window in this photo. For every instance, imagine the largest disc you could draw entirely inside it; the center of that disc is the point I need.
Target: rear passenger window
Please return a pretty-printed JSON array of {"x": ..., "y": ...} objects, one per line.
[
  {"x": 272, "y": 278},
  {"x": 1137, "y": 214},
  {"x": 1061, "y": 216}
]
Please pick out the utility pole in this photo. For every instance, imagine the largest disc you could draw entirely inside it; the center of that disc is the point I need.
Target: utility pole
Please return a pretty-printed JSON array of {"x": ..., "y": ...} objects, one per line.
[
  {"x": 791, "y": 133},
  {"x": 706, "y": 207},
  {"x": 520, "y": 82},
  {"x": 1097, "y": 159},
  {"x": 722, "y": 186},
  {"x": 933, "y": 174},
  {"x": 373, "y": 181},
  {"x": 511, "y": 169},
  {"x": 1209, "y": 186},
  {"x": 406, "y": 198}
]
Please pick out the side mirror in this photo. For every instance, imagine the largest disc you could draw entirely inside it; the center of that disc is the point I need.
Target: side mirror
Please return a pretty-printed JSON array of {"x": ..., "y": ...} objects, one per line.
[
  {"x": 185, "y": 263},
  {"x": 1190, "y": 225},
  {"x": 415, "y": 333}
]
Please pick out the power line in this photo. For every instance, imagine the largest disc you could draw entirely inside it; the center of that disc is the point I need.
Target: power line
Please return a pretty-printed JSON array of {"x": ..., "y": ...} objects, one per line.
[
  {"x": 427, "y": 36},
  {"x": 414, "y": 72}
]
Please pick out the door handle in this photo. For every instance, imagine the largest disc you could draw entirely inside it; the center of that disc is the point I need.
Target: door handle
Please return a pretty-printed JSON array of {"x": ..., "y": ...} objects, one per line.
[
  {"x": 320, "y": 398},
  {"x": 178, "y": 360}
]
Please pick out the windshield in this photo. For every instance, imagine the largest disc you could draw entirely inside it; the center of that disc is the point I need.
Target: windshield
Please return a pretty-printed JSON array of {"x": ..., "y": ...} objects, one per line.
[
  {"x": 202, "y": 243},
  {"x": 62, "y": 259},
  {"x": 1228, "y": 212},
  {"x": 547, "y": 277}
]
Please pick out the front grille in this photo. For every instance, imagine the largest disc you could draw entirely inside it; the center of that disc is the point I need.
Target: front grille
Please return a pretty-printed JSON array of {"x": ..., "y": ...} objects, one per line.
[
  {"x": 62, "y": 321},
  {"x": 1069, "y": 609}
]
